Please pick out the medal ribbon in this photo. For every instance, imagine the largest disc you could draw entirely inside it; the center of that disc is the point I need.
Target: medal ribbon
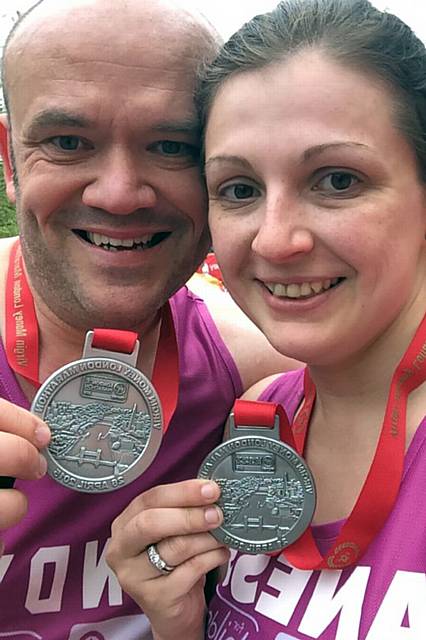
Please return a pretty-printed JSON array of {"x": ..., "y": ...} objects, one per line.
[
  {"x": 249, "y": 413},
  {"x": 381, "y": 486},
  {"x": 22, "y": 344},
  {"x": 22, "y": 340}
]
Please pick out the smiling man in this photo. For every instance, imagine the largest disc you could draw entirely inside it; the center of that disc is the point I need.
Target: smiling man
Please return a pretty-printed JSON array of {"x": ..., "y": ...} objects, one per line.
[{"x": 100, "y": 150}]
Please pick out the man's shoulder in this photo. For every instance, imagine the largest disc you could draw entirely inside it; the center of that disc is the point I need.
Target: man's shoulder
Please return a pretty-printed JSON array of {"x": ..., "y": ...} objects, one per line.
[
  {"x": 254, "y": 356},
  {"x": 5, "y": 247},
  {"x": 228, "y": 317}
]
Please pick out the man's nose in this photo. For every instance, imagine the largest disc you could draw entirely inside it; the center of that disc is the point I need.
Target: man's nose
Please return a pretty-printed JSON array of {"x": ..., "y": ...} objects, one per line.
[
  {"x": 120, "y": 185},
  {"x": 284, "y": 231}
]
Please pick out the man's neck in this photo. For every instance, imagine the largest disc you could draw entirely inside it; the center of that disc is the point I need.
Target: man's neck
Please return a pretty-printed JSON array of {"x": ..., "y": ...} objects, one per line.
[{"x": 60, "y": 342}]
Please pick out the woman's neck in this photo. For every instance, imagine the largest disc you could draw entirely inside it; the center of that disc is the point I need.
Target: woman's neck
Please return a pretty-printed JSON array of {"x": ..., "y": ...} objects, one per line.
[
  {"x": 362, "y": 382},
  {"x": 348, "y": 416}
]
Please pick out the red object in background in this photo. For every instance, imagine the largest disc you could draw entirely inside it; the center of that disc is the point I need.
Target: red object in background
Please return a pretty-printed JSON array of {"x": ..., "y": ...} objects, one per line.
[{"x": 210, "y": 267}]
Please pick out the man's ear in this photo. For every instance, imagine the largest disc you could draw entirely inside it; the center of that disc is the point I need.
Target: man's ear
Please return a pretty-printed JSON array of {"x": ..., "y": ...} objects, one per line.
[{"x": 5, "y": 153}]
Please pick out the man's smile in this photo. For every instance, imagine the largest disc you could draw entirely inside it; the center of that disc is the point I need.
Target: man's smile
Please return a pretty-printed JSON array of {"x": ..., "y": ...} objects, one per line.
[{"x": 109, "y": 243}]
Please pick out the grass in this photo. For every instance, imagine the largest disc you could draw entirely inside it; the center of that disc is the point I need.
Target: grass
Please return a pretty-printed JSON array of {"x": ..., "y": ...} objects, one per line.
[{"x": 7, "y": 212}]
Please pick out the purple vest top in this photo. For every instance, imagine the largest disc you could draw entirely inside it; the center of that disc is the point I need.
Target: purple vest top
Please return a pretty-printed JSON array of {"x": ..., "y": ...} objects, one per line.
[
  {"x": 54, "y": 582},
  {"x": 382, "y": 598}
]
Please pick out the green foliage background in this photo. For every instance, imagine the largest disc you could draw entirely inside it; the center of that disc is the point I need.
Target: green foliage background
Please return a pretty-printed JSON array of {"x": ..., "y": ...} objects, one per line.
[{"x": 7, "y": 212}]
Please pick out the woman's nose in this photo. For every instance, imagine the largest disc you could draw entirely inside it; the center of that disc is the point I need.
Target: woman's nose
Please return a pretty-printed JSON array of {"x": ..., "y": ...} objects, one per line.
[{"x": 284, "y": 231}]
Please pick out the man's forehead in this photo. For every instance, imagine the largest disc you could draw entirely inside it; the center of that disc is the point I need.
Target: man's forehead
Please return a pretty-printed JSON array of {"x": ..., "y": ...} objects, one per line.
[
  {"x": 130, "y": 32},
  {"x": 106, "y": 26},
  {"x": 117, "y": 46},
  {"x": 149, "y": 49},
  {"x": 148, "y": 11}
]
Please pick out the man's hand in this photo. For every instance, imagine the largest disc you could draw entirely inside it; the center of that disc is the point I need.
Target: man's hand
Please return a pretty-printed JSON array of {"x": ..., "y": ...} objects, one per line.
[
  {"x": 176, "y": 518},
  {"x": 22, "y": 435}
]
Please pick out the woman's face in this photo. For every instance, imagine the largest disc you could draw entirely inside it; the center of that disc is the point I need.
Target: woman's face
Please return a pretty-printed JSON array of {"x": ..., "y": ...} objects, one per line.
[{"x": 317, "y": 213}]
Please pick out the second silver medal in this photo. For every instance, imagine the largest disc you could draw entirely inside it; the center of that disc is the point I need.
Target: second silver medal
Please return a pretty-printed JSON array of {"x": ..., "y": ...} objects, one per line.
[{"x": 268, "y": 493}]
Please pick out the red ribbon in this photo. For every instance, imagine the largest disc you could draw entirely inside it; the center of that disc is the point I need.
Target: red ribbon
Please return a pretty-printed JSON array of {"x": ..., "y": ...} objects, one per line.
[
  {"x": 22, "y": 338},
  {"x": 114, "y": 340},
  {"x": 262, "y": 414},
  {"x": 381, "y": 486},
  {"x": 22, "y": 345}
]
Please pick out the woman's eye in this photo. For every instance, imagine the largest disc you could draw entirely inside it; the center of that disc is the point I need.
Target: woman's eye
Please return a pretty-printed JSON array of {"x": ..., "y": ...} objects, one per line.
[
  {"x": 239, "y": 191},
  {"x": 337, "y": 182},
  {"x": 67, "y": 143}
]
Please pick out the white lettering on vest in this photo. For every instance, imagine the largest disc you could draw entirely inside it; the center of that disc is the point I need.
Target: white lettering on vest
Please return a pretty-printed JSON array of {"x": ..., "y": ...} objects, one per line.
[
  {"x": 247, "y": 566},
  {"x": 95, "y": 576},
  {"x": 406, "y": 594},
  {"x": 325, "y": 604},
  {"x": 58, "y": 556},
  {"x": 290, "y": 585},
  {"x": 401, "y": 616},
  {"x": 5, "y": 562},
  {"x": 229, "y": 567}
]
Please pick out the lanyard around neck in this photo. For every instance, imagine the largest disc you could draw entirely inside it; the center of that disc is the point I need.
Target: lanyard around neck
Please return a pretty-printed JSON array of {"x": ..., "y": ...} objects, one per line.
[
  {"x": 381, "y": 487},
  {"x": 22, "y": 338}
]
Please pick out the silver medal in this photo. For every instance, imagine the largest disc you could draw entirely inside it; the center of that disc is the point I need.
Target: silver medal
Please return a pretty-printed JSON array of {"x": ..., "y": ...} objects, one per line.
[
  {"x": 105, "y": 417},
  {"x": 268, "y": 493}
]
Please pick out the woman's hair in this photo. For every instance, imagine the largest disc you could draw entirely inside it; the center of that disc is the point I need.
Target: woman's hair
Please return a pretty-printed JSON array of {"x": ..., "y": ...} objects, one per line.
[{"x": 350, "y": 32}]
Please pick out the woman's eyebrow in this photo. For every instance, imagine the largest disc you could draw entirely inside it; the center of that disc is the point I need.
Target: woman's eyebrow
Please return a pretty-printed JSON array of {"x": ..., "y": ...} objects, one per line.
[
  {"x": 231, "y": 159},
  {"x": 323, "y": 148}
]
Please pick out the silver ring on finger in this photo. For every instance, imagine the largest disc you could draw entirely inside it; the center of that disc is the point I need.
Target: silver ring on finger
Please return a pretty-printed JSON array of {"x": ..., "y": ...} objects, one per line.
[{"x": 157, "y": 561}]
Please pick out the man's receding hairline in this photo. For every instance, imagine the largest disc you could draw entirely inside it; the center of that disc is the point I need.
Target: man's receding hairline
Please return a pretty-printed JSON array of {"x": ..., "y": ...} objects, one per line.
[
  {"x": 178, "y": 5},
  {"x": 200, "y": 22},
  {"x": 9, "y": 41}
]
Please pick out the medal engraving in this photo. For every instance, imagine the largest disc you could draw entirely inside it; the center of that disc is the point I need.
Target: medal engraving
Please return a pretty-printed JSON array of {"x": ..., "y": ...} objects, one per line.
[
  {"x": 267, "y": 493},
  {"x": 106, "y": 423}
]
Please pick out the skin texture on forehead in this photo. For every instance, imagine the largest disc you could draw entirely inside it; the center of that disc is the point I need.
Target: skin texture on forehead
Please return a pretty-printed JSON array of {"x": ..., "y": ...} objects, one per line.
[{"x": 54, "y": 31}]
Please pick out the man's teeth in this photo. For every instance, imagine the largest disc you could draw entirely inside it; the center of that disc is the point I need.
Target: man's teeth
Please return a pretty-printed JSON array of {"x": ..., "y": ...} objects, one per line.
[
  {"x": 114, "y": 244},
  {"x": 302, "y": 290}
]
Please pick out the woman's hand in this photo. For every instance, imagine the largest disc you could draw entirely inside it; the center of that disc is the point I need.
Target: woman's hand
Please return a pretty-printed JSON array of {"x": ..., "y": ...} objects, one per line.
[
  {"x": 22, "y": 435},
  {"x": 176, "y": 519}
]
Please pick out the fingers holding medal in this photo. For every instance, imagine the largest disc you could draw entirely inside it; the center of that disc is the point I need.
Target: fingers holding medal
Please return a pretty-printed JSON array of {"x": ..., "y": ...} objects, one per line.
[
  {"x": 22, "y": 435},
  {"x": 268, "y": 495},
  {"x": 160, "y": 547}
]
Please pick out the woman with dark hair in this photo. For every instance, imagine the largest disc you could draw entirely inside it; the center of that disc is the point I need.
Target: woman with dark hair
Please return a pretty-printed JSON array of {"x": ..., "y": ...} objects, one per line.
[{"x": 314, "y": 119}]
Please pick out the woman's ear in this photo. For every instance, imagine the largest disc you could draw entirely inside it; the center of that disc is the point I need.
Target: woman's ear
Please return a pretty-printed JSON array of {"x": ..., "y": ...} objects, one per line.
[{"x": 5, "y": 153}]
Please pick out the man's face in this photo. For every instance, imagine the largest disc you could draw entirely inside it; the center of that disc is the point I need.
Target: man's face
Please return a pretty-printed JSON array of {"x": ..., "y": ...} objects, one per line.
[{"x": 110, "y": 201}]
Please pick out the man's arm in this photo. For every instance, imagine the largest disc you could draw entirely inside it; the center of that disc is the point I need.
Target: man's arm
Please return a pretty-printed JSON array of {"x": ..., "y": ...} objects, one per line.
[{"x": 254, "y": 356}]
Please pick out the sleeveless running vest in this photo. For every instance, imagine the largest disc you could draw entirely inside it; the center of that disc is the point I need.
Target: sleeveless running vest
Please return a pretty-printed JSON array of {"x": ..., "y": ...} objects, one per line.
[
  {"x": 383, "y": 597},
  {"x": 54, "y": 582}
]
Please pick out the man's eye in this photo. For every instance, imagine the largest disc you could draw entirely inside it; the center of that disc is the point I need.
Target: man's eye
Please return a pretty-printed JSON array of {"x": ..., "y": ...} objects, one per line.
[
  {"x": 239, "y": 191},
  {"x": 67, "y": 143},
  {"x": 174, "y": 148},
  {"x": 337, "y": 182}
]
